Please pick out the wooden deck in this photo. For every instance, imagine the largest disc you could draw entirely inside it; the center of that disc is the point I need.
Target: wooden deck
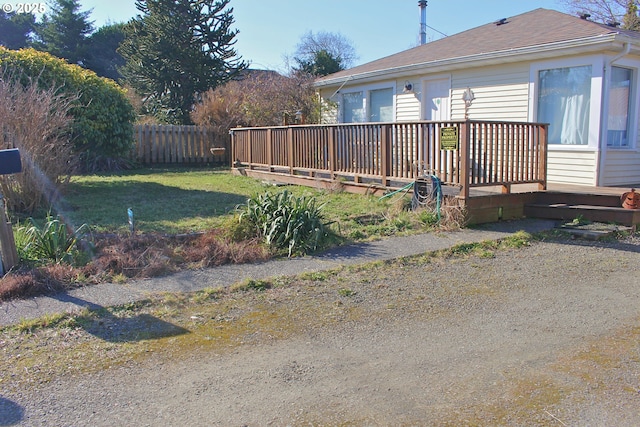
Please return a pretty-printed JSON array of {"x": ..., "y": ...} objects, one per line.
[
  {"x": 373, "y": 157},
  {"x": 559, "y": 201},
  {"x": 498, "y": 169}
]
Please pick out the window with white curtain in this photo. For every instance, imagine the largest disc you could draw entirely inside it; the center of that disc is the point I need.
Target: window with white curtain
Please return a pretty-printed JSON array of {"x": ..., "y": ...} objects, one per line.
[
  {"x": 564, "y": 99},
  {"x": 352, "y": 107},
  {"x": 381, "y": 105},
  {"x": 619, "y": 99}
]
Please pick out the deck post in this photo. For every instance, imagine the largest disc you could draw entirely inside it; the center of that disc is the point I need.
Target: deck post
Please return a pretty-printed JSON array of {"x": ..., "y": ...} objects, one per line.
[
  {"x": 464, "y": 158},
  {"x": 385, "y": 152},
  {"x": 543, "y": 131},
  {"x": 332, "y": 153}
]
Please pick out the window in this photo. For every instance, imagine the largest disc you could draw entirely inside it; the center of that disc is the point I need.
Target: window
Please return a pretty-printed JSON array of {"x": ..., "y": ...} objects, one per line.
[
  {"x": 352, "y": 108},
  {"x": 564, "y": 98},
  {"x": 619, "y": 99},
  {"x": 381, "y": 105}
]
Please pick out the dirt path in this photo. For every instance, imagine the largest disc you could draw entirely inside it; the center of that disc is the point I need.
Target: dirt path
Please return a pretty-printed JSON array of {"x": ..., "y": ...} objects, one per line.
[{"x": 544, "y": 335}]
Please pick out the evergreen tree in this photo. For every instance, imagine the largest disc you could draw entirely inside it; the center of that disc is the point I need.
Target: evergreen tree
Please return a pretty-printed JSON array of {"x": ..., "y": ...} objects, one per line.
[
  {"x": 322, "y": 64},
  {"x": 630, "y": 20},
  {"x": 63, "y": 31},
  {"x": 16, "y": 29},
  {"x": 324, "y": 53},
  {"x": 177, "y": 50},
  {"x": 102, "y": 55}
]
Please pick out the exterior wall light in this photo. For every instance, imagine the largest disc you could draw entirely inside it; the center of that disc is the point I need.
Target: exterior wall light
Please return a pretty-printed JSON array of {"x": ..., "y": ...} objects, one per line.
[{"x": 468, "y": 98}]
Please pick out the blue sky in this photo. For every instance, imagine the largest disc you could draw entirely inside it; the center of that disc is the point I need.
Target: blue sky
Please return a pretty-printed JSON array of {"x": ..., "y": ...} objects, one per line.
[{"x": 270, "y": 29}]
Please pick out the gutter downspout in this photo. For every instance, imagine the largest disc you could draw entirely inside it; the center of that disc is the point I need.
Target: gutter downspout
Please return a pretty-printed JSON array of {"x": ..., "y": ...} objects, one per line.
[{"x": 604, "y": 111}]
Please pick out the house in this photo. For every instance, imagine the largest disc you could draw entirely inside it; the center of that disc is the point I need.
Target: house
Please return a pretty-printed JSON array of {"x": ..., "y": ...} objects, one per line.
[{"x": 542, "y": 66}]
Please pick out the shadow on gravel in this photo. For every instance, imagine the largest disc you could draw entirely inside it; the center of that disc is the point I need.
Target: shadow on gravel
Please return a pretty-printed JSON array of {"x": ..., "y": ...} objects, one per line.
[
  {"x": 617, "y": 245},
  {"x": 10, "y": 412},
  {"x": 358, "y": 250},
  {"x": 106, "y": 326}
]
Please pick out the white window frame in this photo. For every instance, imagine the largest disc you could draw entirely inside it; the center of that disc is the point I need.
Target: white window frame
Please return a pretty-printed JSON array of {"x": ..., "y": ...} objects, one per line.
[
  {"x": 342, "y": 103},
  {"x": 597, "y": 64},
  {"x": 366, "y": 96},
  {"x": 634, "y": 105}
]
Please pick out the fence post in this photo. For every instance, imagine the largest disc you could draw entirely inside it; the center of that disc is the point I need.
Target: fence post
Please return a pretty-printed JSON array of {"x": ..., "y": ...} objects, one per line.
[
  {"x": 290, "y": 148},
  {"x": 269, "y": 150},
  {"x": 465, "y": 135},
  {"x": 249, "y": 151}
]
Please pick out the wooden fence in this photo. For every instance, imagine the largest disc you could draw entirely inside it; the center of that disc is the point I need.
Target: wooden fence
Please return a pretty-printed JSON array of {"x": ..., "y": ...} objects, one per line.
[
  {"x": 164, "y": 144},
  {"x": 474, "y": 154}
]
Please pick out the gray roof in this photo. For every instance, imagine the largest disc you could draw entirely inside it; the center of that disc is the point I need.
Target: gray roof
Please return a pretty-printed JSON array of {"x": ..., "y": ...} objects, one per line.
[{"x": 538, "y": 27}]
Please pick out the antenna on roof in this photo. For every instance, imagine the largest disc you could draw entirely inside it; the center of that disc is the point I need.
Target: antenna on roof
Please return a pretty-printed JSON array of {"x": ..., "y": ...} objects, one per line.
[
  {"x": 501, "y": 21},
  {"x": 585, "y": 16},
  {"x": 423, "y": 21}
]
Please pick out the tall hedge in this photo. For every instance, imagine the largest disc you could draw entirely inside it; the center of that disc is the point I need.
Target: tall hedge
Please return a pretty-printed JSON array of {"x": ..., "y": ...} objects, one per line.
[{"x": 103, "y": 117}]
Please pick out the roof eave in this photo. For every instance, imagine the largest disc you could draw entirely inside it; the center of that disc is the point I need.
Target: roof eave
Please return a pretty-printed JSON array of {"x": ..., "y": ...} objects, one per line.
[{"x": 576, "y": 46}]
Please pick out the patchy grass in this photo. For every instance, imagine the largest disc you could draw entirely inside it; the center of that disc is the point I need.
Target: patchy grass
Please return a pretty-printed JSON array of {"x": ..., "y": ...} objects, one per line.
[
  {"x": 186, "y": 218},
  {"x": 177, "y": 200},
  {"x": 173, "y": 200}
]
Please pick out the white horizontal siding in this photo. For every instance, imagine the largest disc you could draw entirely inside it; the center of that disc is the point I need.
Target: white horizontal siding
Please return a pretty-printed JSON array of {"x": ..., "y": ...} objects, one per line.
[
  {"x": 408, "y": 107},
  {"x": 501, "y": 93},
  {"x": 621, "y": 168},
  {"x": 572, "y": 167}
]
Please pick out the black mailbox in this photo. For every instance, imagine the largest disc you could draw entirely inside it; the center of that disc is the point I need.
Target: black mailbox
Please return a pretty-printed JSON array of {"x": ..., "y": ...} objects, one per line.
[{"x": 10, "y": 161}]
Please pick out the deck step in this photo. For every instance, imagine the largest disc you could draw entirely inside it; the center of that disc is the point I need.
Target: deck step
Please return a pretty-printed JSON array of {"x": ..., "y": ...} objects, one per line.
[
  {"x": 564, "y": 211},
  {"x": 578, "y": 199}
]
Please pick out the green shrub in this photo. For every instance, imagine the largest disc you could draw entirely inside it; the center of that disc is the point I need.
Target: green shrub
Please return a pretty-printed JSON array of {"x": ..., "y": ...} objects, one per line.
[
  {"x": 103, "y": 117},
  {"x": 54, "y": 241},
  {"x": 286, "y": 222}
]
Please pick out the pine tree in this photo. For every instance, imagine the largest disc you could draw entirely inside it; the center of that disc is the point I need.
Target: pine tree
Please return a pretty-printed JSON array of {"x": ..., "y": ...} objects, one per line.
[
  {"x": 630, "y": 20},
  {"x": 322, "y": 64},
  {"x": 16, "y": 29},
  {"x": 177, "y": 50},
  {"x": 63, "y": 31},
  {"x": 102, "y": 56}
]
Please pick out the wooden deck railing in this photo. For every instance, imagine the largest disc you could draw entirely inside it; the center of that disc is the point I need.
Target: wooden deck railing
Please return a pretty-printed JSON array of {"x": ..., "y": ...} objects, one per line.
[{"x": 490, "y": 153}]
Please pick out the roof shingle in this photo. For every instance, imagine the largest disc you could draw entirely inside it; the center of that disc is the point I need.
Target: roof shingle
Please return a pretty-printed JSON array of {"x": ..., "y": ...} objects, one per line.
[{"x": 534, "y": 28}]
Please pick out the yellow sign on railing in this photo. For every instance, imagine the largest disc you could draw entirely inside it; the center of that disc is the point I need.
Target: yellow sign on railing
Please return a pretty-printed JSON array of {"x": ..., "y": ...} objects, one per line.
[{"x": 449, "y": 139}]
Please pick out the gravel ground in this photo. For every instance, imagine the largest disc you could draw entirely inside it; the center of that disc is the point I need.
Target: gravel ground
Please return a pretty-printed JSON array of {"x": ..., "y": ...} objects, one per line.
[{"x": 547, "y": 334}]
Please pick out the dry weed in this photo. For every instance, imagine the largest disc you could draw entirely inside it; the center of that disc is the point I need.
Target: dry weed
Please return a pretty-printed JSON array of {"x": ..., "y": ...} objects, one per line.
[{"x": 139, "y": 256}]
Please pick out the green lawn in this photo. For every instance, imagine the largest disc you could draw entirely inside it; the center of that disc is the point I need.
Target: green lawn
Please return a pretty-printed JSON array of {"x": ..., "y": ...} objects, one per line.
[{"x": 184, "y": 200}]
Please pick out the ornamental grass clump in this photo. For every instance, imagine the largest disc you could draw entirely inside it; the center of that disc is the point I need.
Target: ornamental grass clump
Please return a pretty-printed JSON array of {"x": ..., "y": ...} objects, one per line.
[
  {"x": 286, "y": 222},
  {"x": 54, "y": 241}
]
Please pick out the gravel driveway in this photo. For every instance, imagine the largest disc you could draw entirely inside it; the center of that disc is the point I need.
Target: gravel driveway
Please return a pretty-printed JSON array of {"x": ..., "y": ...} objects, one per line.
[{"x": 545, "y": 335}]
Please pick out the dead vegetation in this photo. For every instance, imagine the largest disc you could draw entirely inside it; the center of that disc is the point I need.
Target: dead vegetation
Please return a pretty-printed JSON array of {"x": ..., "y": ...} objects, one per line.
[{"x": 117, "y": 258}]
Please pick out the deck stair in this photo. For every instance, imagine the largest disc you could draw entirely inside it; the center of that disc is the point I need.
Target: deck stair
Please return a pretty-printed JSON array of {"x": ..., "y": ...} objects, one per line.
[{"x": 592, "y": 207}]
